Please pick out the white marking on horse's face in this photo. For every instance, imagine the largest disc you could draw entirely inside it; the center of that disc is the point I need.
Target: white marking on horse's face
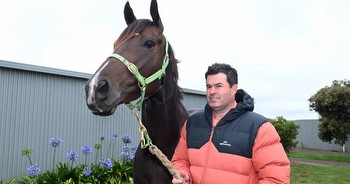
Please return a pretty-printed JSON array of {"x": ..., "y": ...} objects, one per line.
[{"x": 93, "y": 85}]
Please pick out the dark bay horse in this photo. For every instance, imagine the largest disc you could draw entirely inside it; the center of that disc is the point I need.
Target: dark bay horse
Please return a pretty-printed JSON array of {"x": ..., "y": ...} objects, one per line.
[{"x": 142, "y": 66}]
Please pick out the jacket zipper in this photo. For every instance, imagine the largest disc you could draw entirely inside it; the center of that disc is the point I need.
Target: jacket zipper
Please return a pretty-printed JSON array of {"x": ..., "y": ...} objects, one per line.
[{"x": 205, "y": 167}]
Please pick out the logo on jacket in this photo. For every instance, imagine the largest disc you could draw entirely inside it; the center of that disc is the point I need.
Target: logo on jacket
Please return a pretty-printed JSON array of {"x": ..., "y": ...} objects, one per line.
[{"x": 224, "y": 143}]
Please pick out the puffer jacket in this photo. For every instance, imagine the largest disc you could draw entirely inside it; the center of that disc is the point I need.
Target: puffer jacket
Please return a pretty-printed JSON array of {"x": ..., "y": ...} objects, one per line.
[{"x": 242, "y": 148}]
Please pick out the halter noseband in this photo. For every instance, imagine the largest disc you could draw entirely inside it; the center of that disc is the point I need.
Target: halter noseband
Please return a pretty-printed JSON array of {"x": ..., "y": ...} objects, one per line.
[{"x": 142, "y": 80}]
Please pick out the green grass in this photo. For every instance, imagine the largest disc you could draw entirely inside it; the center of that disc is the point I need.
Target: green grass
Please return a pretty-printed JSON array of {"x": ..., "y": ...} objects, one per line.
[
  {"x": 338, "y": 158},
  {"x": 307, "y": 173}
]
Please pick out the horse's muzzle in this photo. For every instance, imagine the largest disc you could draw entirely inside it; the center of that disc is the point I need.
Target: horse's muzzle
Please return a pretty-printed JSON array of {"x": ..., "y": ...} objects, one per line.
[{"x": 96, "y": 94}]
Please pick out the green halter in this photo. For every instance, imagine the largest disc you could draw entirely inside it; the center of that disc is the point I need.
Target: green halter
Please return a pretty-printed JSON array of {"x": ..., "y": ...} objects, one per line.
[{"x": 142, "y": 80}]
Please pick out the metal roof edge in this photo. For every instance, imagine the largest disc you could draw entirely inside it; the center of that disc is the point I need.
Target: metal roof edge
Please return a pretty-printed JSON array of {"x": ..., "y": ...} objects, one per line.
[
  {"x": 193, "y": 91},
  {"x": 42, "y": 69}
]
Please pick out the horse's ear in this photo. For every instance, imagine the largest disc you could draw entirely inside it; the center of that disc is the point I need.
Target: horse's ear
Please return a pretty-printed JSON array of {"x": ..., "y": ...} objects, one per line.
[
  {"x": 155, "y": 15},
  {"x": 128, "y": 14}
]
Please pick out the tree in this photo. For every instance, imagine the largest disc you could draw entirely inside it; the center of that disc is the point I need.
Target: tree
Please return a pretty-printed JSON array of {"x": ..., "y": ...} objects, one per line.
[
  {"x": 287, "y": 131},
  {"x": 333, "y": 105}
]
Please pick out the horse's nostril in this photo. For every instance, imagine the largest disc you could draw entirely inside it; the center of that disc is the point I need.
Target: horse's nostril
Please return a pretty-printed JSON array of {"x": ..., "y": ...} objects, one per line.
[{"x": 102, "y": 89}]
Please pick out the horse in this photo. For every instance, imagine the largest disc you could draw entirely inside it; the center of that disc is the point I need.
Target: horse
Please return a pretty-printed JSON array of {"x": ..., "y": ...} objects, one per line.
[{"x": 142, "y": 66}]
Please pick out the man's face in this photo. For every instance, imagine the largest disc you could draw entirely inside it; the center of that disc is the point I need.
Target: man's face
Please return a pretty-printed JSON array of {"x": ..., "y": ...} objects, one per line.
[{"x": 220, "y": 95}]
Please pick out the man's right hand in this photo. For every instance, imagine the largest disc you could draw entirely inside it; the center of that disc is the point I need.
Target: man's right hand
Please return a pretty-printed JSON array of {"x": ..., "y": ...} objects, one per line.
[{"x": 185, "y": 176}]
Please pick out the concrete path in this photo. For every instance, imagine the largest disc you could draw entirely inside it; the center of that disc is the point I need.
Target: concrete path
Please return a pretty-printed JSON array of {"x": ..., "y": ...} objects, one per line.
[{"x": 319, "y": 162}]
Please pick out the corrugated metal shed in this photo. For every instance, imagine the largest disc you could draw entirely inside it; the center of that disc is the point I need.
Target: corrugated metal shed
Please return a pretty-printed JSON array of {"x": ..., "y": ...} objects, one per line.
[
  {"x": 38, "y": 103},
  {"x": 308, "y": 137}
]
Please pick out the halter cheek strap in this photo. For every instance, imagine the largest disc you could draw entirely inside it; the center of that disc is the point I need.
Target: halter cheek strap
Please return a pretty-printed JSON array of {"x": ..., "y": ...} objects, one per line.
[
  {"x": 145, "y": 139},
  {"x": 142, "y": 80}
]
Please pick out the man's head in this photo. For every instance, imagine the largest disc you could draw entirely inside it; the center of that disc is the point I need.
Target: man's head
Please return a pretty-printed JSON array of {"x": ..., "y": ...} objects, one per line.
[
  {"x": 221, "y": 83},
  {"x": 231, "y": 73}
]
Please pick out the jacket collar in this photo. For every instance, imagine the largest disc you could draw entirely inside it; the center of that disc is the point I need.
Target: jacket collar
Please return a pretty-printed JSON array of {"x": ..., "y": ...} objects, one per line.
[{"x": 244, "y": 103}]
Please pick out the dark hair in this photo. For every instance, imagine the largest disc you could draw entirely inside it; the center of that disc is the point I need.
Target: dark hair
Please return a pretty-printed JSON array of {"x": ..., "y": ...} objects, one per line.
[{"x": 231, "y": 73}]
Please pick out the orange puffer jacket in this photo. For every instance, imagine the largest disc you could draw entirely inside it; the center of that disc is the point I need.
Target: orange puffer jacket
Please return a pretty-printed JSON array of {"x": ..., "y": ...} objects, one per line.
[{"x": 214, "y": 156}]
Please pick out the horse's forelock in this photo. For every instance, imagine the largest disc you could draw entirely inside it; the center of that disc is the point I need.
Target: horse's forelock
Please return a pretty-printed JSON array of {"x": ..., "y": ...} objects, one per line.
[{"x": 134, "y": 28}]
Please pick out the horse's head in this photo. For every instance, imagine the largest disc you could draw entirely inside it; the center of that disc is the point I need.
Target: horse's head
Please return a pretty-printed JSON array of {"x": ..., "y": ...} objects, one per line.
[{"x": 135, "y": 68}]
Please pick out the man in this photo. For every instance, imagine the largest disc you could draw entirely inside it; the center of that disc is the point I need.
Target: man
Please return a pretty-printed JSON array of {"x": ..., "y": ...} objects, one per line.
[{"x": 227, "y": 142}]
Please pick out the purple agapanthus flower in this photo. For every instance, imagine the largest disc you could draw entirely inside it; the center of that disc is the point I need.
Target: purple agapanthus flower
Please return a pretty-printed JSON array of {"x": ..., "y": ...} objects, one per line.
[
  {"x": 113, "y": 137},
  {"x": 126, "y": 149},
  {"x": 55, "y": 142},
  {"x": 33, "y": 170},
  {"x": 106, "y": 163},
  {"x": 128, "y": 153},
  {"x": 131, "y": 157},
  {"x": 87, "y": 171},
  {"x": 126, "y": 156},
  {"x": 127, "y": 139},
  {"x": 86, "y": 149},
  {"x": 72, "y": 155},
  {"x": 133, "y": 148}
]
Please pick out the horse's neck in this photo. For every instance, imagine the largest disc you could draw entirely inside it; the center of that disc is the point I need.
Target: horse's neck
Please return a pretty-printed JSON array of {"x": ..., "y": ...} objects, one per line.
[
  {"x": 163, "y": 117},
  {"x": 162, "y": 111}
]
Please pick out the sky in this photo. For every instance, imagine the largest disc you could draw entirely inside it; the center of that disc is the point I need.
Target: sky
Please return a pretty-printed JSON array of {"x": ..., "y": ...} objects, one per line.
[{"x": 284, "y": 50}]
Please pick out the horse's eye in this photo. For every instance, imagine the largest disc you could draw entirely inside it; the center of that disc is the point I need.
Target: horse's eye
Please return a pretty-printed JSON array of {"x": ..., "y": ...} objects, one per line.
[{"x": 149, "y": 44}]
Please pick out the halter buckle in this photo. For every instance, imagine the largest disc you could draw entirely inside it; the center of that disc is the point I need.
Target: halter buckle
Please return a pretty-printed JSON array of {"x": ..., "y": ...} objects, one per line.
[{"x": 132, "y": 68}]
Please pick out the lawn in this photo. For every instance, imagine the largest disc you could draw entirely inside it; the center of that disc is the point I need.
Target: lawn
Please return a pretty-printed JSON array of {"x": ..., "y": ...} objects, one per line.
[
  {"x": 338, "y": 158},
  {"x": 308, "y": 173}
]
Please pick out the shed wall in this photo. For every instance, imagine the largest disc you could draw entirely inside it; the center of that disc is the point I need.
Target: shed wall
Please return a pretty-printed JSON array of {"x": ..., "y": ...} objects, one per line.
[
  {"x": 38, "y": 103},
  {"x": 36, "y": 107},
  {"x": 308, "y": 137}
]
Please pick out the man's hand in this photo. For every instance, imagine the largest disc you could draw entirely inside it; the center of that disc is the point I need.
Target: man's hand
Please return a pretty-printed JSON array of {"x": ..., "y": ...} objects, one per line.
[{"x": 185, "y": 176}]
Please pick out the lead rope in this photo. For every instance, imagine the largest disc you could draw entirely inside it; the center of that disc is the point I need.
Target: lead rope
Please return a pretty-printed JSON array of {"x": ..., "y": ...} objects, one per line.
[
  {"x": 147, "y": 142},
  {"x": 145, "y": 139}
]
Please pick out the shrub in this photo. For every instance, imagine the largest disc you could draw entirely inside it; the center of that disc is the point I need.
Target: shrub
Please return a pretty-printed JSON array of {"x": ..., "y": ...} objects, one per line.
[{"x": 287, "y": 131}]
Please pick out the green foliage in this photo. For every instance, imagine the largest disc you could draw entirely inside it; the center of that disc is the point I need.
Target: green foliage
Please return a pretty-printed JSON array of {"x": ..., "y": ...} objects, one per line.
[
  {"x": 120, "y": 173},
  {"x": 333, "y": 105},
  {"x": 9, "y": 182},
  {"x": 287, "y": 131},
  {"x": 63, "y": 173},
  {"x": 106, "y": 171},
  {"x": 123, "y": 172},
  {"x": 49, "y": 177}
]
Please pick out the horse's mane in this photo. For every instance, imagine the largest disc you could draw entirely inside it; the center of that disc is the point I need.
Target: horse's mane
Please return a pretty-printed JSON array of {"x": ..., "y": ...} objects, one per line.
[{"x": 175, "y": 89}]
